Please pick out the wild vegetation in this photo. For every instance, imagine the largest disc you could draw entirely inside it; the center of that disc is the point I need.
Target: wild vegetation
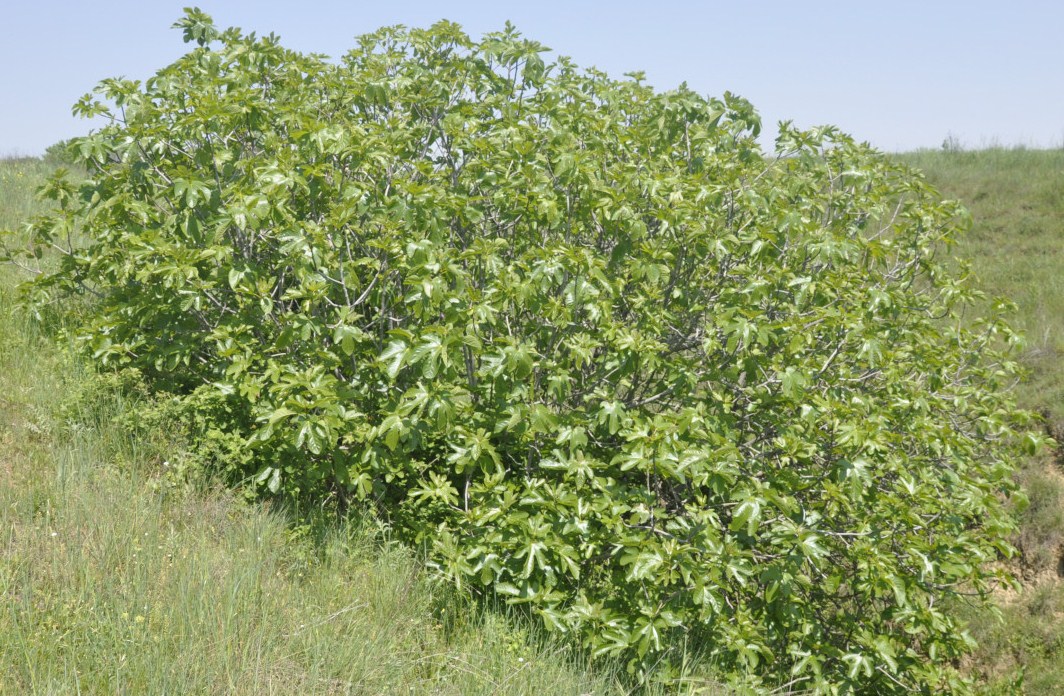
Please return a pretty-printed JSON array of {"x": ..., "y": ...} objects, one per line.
[
  {"x": 526, "y": 367},
  {"x": 1016, "y": 248},
  {"x": 117, "y": 578}
]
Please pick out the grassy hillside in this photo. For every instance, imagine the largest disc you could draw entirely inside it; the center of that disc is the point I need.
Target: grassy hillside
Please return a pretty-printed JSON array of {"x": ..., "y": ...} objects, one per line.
[
  {"x": 115, "y": 581},
  {"x": 1016, "y": 246}
]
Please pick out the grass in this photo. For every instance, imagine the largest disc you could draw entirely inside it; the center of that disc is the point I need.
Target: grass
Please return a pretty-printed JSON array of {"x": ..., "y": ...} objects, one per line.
[
  {"x": 1016, "y": 247},
  {"x": 115, "y": 581}
]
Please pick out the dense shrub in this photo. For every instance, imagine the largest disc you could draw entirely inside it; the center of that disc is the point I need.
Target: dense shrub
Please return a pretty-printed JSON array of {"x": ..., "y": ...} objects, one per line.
[
  {"x": 60, "y": 153},
  {"x": 583, "y": 340}
]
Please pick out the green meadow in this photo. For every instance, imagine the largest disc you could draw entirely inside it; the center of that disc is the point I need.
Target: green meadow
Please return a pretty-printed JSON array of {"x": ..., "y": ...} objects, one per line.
[{"x": 118, "y": 577}]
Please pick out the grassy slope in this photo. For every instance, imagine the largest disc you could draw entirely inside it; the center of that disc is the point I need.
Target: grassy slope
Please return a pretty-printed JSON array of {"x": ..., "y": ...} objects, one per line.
[
  {"x": 1016, "y": 246},
  {"x": 113, "y": 582}
]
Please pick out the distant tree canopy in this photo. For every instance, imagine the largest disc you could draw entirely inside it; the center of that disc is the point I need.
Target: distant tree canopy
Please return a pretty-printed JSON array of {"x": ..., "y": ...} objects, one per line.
[
  {"x": 60, "y": 153},
  {"x": 581, "y": 339}
]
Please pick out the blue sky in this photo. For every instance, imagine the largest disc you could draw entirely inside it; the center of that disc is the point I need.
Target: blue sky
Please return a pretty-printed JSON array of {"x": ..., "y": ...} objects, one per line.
[{"x": 901, "y": 75}]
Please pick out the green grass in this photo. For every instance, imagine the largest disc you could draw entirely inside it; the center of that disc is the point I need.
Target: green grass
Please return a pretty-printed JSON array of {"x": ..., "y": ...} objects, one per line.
[
  {"x": 18, "y": 178},
  {"x": 1016, "y": 247},
  {"x": 113, "y": 580}
]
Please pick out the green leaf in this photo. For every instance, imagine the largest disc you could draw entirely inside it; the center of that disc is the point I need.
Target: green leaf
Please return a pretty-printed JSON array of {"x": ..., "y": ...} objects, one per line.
[
  {"x": 393, "y": 357},
  {"x": 235, "y": 276},
  {"x": 746, "y": 517}
]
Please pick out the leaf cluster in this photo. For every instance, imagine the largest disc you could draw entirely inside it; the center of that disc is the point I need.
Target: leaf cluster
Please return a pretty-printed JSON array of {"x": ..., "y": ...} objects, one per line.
[{"x": 583, "y": 340}]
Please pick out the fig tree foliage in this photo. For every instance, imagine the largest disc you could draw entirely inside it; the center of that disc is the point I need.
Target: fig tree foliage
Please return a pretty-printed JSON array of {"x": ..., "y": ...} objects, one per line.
[{"x": 584, "y": 341}]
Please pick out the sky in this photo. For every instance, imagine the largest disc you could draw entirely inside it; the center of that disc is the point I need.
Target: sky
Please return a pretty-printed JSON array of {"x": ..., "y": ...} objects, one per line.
[{"x": 901, "y": 75}]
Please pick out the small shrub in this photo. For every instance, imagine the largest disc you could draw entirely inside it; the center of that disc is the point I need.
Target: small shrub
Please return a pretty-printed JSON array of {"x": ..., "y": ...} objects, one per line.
[
  {"x": 582, "y": 340},
  {"x": 60, "y": 153},
  {"x": 91, "y": 401},
  {"x": 197, "y": 437}
]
